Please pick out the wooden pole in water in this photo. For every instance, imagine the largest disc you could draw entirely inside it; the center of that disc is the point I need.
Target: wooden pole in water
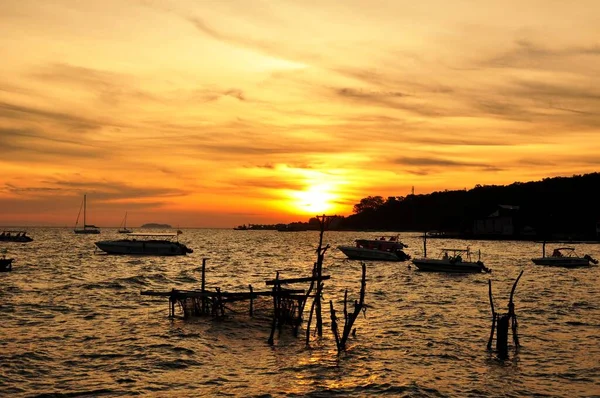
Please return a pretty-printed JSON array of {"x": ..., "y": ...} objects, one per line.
[
  {"x": 251, "y": 301},
  {"x": 424, "y": 244},
  {"x": 203, "y": 288}
]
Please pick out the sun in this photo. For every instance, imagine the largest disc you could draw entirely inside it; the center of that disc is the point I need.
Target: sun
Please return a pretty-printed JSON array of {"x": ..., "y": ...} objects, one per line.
[{"x": 315, "y": 199}]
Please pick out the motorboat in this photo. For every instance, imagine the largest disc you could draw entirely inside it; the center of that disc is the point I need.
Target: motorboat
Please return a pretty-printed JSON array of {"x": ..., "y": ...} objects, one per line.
[
  {"x": 452, "y": 260},
  {"x": 564, "y": 257},
  {"x": 86, "y": 229},
  {"x": 15, "y": 236},
  {"x": 153, "y": 244},
  {"x": 386, "y": 248}
]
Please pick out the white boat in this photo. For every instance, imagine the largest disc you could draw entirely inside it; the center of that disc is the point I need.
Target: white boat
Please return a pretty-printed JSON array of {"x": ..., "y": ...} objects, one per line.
[
  {"x": 153, "y": 244},
  {"x": 383, "y": 249},
  {"x": 123, "y": 227},
  {"x": 564, "y": 257},
  {"x": 86, "y": 229},
  {"x": 451, "y": 260}
]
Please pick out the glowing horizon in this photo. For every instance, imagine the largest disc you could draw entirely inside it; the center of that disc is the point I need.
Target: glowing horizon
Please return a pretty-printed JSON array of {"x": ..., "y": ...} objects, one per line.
[{"x": 261, "y": 113}]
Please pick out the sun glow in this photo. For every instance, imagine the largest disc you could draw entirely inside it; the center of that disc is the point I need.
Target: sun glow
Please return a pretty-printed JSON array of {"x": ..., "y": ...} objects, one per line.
[{"x": 315, "y": 199}]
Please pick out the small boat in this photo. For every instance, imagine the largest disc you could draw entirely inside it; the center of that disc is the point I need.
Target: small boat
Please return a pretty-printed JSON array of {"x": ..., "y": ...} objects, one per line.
[
  {"x": 452, "y": 260},
  {"x": 153, "y": 244},
  {"x": 15, "y": 236},
  {"x": 123, "y": 227},
  {"x": 241, "y": 228},
  {"x": 86, "y": 229},
  {"x": 383, "y": 249},
  {"x": 6, "y": 263},
  {"x": 564, "y": 257}
]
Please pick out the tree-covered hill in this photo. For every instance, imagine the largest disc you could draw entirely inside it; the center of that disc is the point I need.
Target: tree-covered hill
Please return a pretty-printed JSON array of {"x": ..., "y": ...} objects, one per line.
[{"x": 553, "y": 207}]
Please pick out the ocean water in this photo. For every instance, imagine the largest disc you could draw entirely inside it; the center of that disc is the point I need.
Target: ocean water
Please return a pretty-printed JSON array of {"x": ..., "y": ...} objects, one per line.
[{"x": 73, "y": 322}]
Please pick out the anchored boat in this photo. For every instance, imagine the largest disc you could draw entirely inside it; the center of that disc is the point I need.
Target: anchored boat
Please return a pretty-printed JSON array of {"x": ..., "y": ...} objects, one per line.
[
  {"x": 153, "y": 244},
  {"x": 451, "y": 260},
  {"x": 86, "y": 229},
  {"x": 564, "y": 257},
  {"x": 15, "y": 236},
  {"x": 386, "y": 248}
]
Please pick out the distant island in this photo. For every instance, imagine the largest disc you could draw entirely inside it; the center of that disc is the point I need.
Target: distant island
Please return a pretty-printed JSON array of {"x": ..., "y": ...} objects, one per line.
[{"x": 155, "y": 225}]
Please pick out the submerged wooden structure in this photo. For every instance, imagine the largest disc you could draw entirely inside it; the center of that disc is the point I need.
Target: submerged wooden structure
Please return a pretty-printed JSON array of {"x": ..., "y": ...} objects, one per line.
[
  {"x": 500, "y": 323},
  {"x": 283, "y": 305}
]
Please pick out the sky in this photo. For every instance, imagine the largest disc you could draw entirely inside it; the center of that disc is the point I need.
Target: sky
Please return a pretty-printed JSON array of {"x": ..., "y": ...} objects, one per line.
[{"x": 228, "y": 112}]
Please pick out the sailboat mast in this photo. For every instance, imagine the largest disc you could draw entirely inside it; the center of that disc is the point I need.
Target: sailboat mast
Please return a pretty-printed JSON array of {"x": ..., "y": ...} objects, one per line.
[{"x": 84, "y": 205}]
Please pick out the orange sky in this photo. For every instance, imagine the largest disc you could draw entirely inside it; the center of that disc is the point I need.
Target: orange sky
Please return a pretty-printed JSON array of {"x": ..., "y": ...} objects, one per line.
[{"x": 214, "y": 114}]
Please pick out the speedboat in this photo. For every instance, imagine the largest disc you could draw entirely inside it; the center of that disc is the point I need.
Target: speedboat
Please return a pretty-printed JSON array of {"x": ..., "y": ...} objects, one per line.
[
  {"x": 383, "y": 249},
  {"x": 564, "y": 257},
  {"x": 15, "y": 236},
  {"x": 452, "y": 260},
  {"x": 153, "y": 244}
]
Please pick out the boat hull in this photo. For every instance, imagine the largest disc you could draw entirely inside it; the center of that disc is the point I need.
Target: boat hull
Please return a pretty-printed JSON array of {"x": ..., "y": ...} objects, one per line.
[
  {"x": 87, "y": 231},
  {"x": 565, "y": 262},
  {"x": 152, "y": 248},
  {"x": 17, "y": 239},
  {"x": 359, "y": 253},
  {"x": 433, "y": 265}
]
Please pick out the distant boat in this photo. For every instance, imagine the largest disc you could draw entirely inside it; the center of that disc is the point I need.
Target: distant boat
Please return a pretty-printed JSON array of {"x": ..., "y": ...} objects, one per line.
[
  {"x": 241, "y": 228},
  {"x": 156, "y": 244},
  {"x": 452, "y": 261},
  {"x": 123, "y": 227},
  {"x": 564, "y": 257},
  {"x": 86, "y": 229},
  {"x": 383, "y": 249},
  {"x": 15, "y": 236}
]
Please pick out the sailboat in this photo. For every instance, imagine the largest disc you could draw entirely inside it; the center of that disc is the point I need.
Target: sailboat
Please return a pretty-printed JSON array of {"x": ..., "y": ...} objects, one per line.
[
  {"x": 123, "y": 228},
  {"x": 87, "y": 229}
]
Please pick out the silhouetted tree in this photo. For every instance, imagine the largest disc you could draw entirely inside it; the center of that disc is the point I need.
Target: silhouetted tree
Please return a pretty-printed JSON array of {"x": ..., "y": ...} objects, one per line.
[{"x": 369, "y": 203}]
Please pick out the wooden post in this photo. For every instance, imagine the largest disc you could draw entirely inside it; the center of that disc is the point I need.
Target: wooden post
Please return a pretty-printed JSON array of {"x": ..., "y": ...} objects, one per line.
[
  {"x": 203, "y": 288},
  {"x": 502, "y": 336},
  {"x": 425, "y": 244},
  {"x": 349, "y": 318},
  {"x": 502, "y": 323},
  {"x": 251, "y": 301},
  {"x": 275, "y": 310},
  {"x": 489, "y": 344}
]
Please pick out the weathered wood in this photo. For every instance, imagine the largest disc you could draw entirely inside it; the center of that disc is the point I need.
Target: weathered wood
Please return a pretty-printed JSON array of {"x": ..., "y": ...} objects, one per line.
[
  {"x": 204, "y": 309},
  {"x": 502, "y": 336},
  {"x": 275, "y": 311},
  {"x": 489, "y": 344},
  {"x": 500, "y": 323},
  {"x": 251, "y": 301},
  {"x": 296, "y": 280},
  {"x": 349, "y": 317}
]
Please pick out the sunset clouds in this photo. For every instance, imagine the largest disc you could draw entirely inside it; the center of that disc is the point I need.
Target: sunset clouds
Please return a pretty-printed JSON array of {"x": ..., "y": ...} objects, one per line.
[{"x": 222, "y": 113}]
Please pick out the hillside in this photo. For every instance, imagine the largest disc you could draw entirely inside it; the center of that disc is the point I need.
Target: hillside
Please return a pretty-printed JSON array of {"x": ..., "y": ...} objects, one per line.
[{"x": 560, "y": 207}]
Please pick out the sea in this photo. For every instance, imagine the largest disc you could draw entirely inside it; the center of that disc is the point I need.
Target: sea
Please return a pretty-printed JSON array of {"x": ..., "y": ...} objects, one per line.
[{"x": 73, "y": 321}]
